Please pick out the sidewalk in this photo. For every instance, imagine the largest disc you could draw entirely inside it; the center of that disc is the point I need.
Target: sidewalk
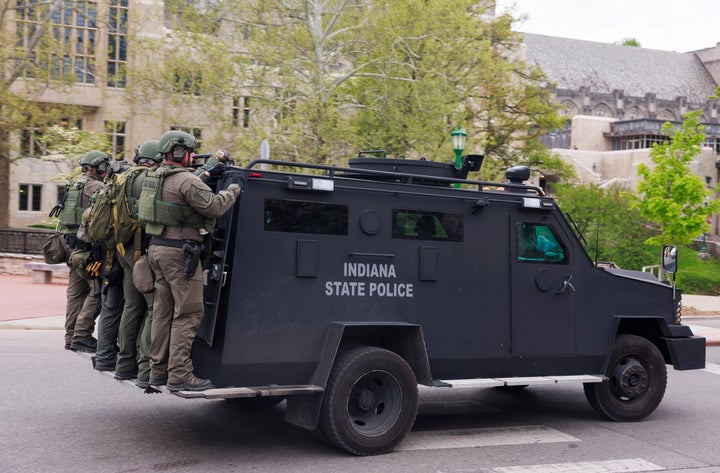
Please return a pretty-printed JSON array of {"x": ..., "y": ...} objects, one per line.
[{"x": 25, "y": 305}]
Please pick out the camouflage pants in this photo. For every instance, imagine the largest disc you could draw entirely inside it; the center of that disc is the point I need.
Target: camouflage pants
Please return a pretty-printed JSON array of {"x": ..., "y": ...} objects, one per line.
[{"x": 177, "y": 313}]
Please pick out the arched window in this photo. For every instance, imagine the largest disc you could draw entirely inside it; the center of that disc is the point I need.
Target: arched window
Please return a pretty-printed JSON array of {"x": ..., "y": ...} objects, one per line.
[{"x": 602, "y": 110}]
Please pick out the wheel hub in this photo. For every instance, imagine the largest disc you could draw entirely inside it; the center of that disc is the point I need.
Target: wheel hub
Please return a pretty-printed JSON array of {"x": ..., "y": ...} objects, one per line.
[
  {"x": 366, "y": 400},
  {"x": 631, "y": 378}
]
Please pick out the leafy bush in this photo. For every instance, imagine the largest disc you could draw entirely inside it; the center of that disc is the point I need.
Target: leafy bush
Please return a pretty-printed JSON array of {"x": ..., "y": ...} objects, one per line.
[
  {"x": 615, "y": 231},
  {"x": 697, "y": 276}
]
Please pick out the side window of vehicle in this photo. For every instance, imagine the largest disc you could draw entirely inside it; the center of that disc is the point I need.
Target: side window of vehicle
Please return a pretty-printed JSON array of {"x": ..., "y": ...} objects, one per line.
[
  {"x": 422, "y": 225},
  {"x": 305, "y": 217},
  {"x": 538, "y": 243}
]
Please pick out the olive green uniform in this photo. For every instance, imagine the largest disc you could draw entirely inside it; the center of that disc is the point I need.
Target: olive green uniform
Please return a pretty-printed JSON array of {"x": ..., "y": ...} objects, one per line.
[
  {"x": 83, "y": 296},
  {"x": 178, "y": 304},
  {"x": 136, "y": 320}
]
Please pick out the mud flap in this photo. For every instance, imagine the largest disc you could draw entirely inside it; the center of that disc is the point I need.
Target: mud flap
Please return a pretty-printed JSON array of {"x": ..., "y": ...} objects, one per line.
[{"x": 686, "y": 353}]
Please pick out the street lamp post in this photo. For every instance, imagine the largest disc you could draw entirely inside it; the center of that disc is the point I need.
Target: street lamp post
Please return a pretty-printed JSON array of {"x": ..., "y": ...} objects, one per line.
[{"x": 458, "y": 137}]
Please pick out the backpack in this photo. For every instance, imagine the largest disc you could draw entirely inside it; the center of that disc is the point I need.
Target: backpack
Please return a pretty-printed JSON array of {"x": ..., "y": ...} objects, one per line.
[{"x": 113, "y": 216}]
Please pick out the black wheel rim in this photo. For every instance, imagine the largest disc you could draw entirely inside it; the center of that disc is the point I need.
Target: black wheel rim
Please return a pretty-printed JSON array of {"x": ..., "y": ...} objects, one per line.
[
  {"x": 630, "y": 379},
  {"x": 375, "y": 403}
]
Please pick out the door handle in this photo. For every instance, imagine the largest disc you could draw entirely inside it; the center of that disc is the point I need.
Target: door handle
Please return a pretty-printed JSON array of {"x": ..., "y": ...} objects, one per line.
[{"x": 566, "y": 284}]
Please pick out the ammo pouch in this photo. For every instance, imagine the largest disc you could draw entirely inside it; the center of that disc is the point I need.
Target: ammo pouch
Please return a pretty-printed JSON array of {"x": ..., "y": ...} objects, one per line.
[{"x": 79, "y": 261}]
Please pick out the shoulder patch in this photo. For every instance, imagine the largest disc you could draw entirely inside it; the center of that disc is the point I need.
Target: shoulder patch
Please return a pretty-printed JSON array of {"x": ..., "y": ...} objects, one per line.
[{"x": 202, "y": 193}]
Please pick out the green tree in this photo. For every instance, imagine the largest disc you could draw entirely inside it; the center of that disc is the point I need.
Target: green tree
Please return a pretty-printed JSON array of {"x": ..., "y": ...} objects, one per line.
[
  {"x": 330, "y": 77},
  {"x": 670, "y": 194},
  {"x": 69, "y": 145},
  {"x": 614, "y": 229},
  {"x": 435, "y": 64},
  {"x": 631, "y": 42},
  {"x": 35, "y": 57}
]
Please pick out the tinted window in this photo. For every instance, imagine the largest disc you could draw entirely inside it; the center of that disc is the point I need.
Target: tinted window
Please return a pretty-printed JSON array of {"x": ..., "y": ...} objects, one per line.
[
  {"x": 422, "y": 225},
  {"x": 306, "y": 217},
  {"x": 538, "y": 243}
]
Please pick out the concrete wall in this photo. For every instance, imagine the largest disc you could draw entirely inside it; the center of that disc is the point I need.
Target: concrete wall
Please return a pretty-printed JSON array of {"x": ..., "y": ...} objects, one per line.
[
  {"x": 587, "y": 133},
  {"x": 34, "y": 171}
]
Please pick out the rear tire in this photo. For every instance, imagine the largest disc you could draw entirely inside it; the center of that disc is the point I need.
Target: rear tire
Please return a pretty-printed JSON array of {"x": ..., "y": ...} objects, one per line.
[
  {"x": 637, "y": 378},
  {"x": 370, "y": 402}
]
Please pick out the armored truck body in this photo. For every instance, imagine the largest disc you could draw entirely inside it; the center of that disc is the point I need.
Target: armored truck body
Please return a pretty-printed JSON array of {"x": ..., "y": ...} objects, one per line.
[{"x": 342, "y": 289}]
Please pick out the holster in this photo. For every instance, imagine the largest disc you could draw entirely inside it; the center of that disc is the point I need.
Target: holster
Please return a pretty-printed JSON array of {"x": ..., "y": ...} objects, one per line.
[{"x": 192, "y": 258}]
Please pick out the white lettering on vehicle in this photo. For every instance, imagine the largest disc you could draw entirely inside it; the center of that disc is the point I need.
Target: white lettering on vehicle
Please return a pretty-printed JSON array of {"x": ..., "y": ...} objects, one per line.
[{"x": 371, "y": 287}]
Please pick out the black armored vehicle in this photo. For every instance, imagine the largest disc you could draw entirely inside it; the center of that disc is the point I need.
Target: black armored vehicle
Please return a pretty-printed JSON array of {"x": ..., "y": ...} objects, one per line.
[{"x": 341, "y": 289}]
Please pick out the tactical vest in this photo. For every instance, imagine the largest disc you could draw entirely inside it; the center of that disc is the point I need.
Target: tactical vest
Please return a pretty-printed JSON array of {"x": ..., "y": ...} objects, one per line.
[
  {"x": 71, "y": 209},
  {"x": 156, "y": 214}
]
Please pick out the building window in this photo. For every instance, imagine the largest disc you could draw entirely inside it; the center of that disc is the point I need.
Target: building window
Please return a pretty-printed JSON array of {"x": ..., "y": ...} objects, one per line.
[
  {"x": 30, "y": 144},
  {"x": 116, "y": 136},
  {"x": 30, "y": 197},
  {"x": 74, "y": 30},
  {"x": 117, "y": 43},
  {"x": 187, "y": 83},
  {"x": 241, "y": 108}
]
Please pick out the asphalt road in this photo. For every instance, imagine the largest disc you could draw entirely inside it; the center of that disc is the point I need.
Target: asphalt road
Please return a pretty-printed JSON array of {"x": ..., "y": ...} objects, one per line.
[{"x": 58, "y": 415}]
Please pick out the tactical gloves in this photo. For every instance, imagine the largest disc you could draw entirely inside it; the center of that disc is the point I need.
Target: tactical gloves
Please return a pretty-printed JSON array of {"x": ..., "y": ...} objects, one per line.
[
  {"x": 216, "y": 172},
  {"x": 221, "y": 155}
]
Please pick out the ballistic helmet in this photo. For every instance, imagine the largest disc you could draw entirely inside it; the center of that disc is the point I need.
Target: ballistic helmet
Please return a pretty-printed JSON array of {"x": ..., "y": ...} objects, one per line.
[
  {"x": 95, "y": 159},
  {"x": 148, "y": 150},
  {"x": 171, "y": 139}
]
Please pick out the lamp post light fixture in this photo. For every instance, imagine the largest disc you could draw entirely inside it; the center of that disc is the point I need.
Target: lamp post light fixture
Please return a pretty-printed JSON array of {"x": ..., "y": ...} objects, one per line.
[{"x": 458, "y": 137}]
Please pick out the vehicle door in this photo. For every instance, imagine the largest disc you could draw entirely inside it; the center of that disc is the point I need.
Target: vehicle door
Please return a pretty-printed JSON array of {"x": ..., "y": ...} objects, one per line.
[{"x": 542, "y": 286}]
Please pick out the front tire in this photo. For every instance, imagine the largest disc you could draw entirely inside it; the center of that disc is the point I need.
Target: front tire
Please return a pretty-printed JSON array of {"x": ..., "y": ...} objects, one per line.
[
  {"x": 370, "y": 402},
  {"x": 637, "y": 378}
]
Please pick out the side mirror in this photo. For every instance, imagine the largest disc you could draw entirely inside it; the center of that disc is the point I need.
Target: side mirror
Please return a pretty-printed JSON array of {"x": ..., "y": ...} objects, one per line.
[{"x": 669, "y": 259}]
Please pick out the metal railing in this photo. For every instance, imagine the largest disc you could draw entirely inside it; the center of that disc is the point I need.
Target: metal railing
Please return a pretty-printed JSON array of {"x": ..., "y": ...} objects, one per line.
[{"x": 22, "y": 241}]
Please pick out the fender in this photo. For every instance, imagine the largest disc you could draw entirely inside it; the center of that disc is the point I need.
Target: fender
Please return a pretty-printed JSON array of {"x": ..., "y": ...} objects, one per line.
[
  {"x": 677, "y": 344},
  {"x": 405, "y": 339}
]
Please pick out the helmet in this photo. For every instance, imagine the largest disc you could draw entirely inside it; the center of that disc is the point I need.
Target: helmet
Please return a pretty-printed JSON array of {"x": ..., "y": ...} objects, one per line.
[
  {"x": 95, "y": 159},
  {"x": 173, "y": 138},
  {"x": 148, "y": 150}
]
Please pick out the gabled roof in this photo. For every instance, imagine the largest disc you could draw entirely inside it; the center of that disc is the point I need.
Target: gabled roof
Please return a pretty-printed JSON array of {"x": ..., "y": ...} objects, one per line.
[{"x": 602, "y": 67}]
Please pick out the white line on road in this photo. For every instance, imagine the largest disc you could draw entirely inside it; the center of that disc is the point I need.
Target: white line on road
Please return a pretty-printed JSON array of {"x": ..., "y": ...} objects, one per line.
[
  {"x": 466, "y": 438},
  {"x": 713, "y": 368},
  {"x": 610, "y": 466}
]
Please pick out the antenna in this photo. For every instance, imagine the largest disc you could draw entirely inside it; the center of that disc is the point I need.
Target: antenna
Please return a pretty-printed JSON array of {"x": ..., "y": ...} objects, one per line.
[{"x": 597, "y": 241}]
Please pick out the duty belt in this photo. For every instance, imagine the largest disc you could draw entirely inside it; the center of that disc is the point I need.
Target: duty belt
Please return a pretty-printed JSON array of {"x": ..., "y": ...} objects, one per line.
[{"x": 173, "y": 243}]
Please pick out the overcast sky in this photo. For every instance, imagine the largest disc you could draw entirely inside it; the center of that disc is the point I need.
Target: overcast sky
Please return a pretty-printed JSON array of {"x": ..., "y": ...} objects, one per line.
[{"x": 669, "y": 25}]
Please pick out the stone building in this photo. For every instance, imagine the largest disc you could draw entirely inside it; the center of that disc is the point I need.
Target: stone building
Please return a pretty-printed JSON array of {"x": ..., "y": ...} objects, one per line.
[
  {"x": 616, "y": 97},
  {"x": 101, "y": 34}
]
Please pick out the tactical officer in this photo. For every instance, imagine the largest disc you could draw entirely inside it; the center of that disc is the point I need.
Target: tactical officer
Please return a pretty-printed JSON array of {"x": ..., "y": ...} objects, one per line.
[
  {"x": 83, "y": 296},
  {"x": 179, "y": 209},
  {"x": 133, "y": 357}
]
